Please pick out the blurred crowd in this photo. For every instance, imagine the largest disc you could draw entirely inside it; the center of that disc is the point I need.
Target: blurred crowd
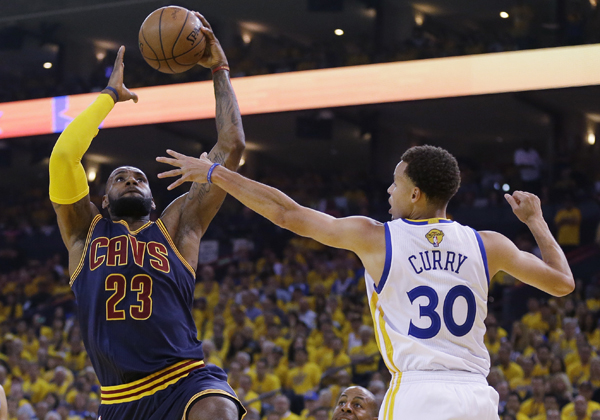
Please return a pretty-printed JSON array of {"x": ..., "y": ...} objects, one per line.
[{"x": 288, "y": 319}]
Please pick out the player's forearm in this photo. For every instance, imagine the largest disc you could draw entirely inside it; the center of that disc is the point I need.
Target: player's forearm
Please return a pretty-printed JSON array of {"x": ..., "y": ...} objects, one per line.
[
  {"x": 228, "y": 117},
  {"x": 552, "y": 254},
  {"x": 68, "y": 182},
  {"x": 267, "y": 201}
]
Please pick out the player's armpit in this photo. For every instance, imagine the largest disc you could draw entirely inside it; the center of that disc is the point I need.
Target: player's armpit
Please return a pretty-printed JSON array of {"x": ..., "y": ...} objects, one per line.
[
  {"x": 503, "y": 255},
  {"x": 74, "y": 220}
]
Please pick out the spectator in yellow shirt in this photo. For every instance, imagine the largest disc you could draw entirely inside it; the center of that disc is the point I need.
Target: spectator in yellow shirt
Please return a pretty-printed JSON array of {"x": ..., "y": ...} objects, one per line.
[
  {"x": 281, "y": 406},
  {"x": 311, "y": 404},
  {"x": 510, "y": 370},
  {"x": 551, "y": 408},
  {"x": 568, "y": 223},
  {"x": 535, "y": 405},
  {"x": 262, "y": 380},
  {"x": 305, "y": 376},
  {"x": 533, "y": 319},
  {"x": 579, "y": 370},
  {"x": 542, "y": 360},
  {"x": 579, "y": 410},
  {"x": 570, "y": 410},
  {"x": 246, "y": 395},
  {"x": 513, "y": 404},
  {"x": 366, "y": 356},
  {"x": 34, "y": 386}
]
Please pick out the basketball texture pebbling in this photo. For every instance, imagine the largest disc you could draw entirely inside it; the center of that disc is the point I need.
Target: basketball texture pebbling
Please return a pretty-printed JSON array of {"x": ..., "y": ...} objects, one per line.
[{"x": 170, "y": 39}]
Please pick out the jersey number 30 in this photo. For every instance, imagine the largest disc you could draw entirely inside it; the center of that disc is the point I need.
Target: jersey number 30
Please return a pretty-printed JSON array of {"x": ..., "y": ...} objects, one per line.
[
  {"x": 140, "y": 284},
  {"x": 429, "y": 311}
]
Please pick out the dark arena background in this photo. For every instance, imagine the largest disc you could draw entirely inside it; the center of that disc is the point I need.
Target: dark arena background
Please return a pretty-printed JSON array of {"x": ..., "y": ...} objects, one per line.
[{"x": 332, "y": 92}]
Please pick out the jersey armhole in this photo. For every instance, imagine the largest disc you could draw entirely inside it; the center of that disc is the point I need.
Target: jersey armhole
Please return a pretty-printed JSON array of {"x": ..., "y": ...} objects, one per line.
[
  {"x": 167, "y": 236},
  {"x": 388, "y": 259},
  {"x": 483, "y": 256},
  {"x": 95, "y": 221}
]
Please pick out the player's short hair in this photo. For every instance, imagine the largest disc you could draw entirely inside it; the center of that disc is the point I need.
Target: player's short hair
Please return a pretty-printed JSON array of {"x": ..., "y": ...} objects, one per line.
[{"x": 434, "y": 170}]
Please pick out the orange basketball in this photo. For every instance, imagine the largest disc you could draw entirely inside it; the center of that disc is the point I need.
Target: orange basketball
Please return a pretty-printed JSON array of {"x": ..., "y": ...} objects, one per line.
[{"x": 170, "y": 39}]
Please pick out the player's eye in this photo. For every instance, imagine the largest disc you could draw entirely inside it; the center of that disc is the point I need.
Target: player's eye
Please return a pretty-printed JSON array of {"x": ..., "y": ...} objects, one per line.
[
  {"x": 358, "y": 405},
  {"x": 120, "y": 178}
]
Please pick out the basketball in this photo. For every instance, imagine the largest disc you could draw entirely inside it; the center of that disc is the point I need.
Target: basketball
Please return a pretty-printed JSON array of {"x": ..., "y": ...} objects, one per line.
[{"x": 170, "y": 39}]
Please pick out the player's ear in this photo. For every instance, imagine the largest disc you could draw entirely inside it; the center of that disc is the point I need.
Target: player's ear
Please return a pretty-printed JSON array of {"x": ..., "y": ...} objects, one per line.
[
  {"x": 105, "y": 201},
  {"x": 153, "y": 205},
  {"x": 415, "y": 195}
]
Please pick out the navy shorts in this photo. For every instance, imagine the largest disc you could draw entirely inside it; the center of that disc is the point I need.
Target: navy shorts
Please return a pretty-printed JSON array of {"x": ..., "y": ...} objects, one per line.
[{"x": 174, "y": 402}]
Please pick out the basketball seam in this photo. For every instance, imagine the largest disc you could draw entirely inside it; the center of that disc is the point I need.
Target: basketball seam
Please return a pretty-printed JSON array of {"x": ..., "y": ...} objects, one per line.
[
  {"x": 177, "y": 39},
  {"x": 151, "y": 49},
  {"x": 161, "y": 43}
]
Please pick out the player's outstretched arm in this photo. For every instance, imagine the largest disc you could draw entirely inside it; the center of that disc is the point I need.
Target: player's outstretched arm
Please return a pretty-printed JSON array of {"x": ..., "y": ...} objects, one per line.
[
  {"x": 552, "y": 274},
  {"x": 69, "y": 191},
  {"x": 364, "y": 236},
  {"x": 188, "y": 217}
]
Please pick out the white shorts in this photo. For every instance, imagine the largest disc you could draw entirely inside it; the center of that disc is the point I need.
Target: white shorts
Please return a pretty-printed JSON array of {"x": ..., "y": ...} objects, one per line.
[{"x": 439, "y": 395}]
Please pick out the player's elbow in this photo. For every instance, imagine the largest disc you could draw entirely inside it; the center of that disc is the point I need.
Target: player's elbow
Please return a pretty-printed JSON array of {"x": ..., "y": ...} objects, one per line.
[{"x": 564, "y": 286}]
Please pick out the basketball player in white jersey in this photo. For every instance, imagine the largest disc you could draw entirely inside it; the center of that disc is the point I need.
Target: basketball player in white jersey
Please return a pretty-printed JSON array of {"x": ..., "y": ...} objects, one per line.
[{"x": 427, "y": 277}]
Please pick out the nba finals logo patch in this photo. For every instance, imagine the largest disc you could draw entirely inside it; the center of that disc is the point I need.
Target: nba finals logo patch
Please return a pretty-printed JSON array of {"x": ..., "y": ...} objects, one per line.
[{"x": 435, "y": 237}]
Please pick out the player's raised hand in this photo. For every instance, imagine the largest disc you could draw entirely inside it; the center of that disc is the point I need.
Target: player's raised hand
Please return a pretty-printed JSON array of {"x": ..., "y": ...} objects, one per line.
[
  {"x": 116, "y": 81},
  {"x": 213, "y": 56},
  {"x": 191, "y": 169},
  {"x": 526, "y": 206}
]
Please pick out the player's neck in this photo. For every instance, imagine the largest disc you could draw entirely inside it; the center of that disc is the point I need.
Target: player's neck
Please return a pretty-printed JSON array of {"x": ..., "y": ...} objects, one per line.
[
  {"x": 428, "y": 213},
  {"x": 133, "y": 223}
]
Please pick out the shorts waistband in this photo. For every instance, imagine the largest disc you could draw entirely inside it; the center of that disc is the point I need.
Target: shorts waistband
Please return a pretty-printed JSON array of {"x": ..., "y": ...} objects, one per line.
[
  {"x": 144, "y": 387},
  {"x": 442, "y": 376}
]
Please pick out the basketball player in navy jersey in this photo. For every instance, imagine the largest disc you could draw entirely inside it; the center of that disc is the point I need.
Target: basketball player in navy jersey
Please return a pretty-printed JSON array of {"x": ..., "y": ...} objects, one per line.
[
  {"x": 427, "y": 277},
  {"x": 134, "y": 279}
]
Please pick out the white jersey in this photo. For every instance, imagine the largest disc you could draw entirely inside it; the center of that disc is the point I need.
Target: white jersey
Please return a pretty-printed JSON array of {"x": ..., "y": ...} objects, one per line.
[{"x": 431, "y": 301}]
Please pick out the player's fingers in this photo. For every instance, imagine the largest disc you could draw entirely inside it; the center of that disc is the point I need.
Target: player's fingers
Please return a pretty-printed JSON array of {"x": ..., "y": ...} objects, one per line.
[
  {"x": 168, "y": 174},
  {"x": 511, "y": 201},
  {"x": 120, "y": 55},
  {"x": 176, "y": 154},
  {"x": 133, "y": 95},
  {"x": 175, "y": 184},
  {"x": 169, "y": 161},
  {"x": 203, "y": 20}
]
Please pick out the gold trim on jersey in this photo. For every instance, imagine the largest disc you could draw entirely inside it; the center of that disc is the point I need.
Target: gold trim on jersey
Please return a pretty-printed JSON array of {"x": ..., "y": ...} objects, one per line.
[
  {"x": 379, "y": 323},
  {"x": 95, "y": 221},
  {"x": 132, "y": 232},
  {"x": 429, "y": 221},
  {"x": 150, "y": 384},
  {"x": 211, "y": 392},
  {"x": 167, "y": 236}
]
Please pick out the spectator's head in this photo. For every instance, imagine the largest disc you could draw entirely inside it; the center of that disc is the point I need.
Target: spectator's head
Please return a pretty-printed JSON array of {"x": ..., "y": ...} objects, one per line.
[
  {"x": 542, "y": 352},
  {"x": 585, "y": 353},
  {"x": 311, "y": 401},
  {"x": 504, "y": 353},
  {"x": 550, "y": 402},
  {"x": 246, "y": 383},
  {"x": 513, "y": 403},
  {"x": 366, "y": 334},
  {"x": 581, "y": 405},
  {"x": 538, "y": 386},
  {"x": 281, "y": 405},
  {"x": 356, "y": 401},
  {"x": 586, "y": 389},
  {"x": 322, "y": 413},
  {"x": 300, "y": 356},
  {"x": 41, "y": 409},
  {"x": 595, "y": 415}
]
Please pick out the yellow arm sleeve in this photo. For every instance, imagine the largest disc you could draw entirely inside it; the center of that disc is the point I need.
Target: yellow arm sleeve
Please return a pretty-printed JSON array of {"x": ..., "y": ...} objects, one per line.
[{"x": 68, "y": 182}]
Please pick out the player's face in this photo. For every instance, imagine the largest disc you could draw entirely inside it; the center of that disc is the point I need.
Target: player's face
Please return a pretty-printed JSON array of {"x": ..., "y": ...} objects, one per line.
[
  {"x": 400, "y": 193},
  {"x": 354, "y": 404},
  {"x": 128, "y": 193}
]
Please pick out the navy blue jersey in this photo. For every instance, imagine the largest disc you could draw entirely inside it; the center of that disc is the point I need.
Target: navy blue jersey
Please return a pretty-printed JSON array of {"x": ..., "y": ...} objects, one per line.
[{"x": 134, "y": 292}]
